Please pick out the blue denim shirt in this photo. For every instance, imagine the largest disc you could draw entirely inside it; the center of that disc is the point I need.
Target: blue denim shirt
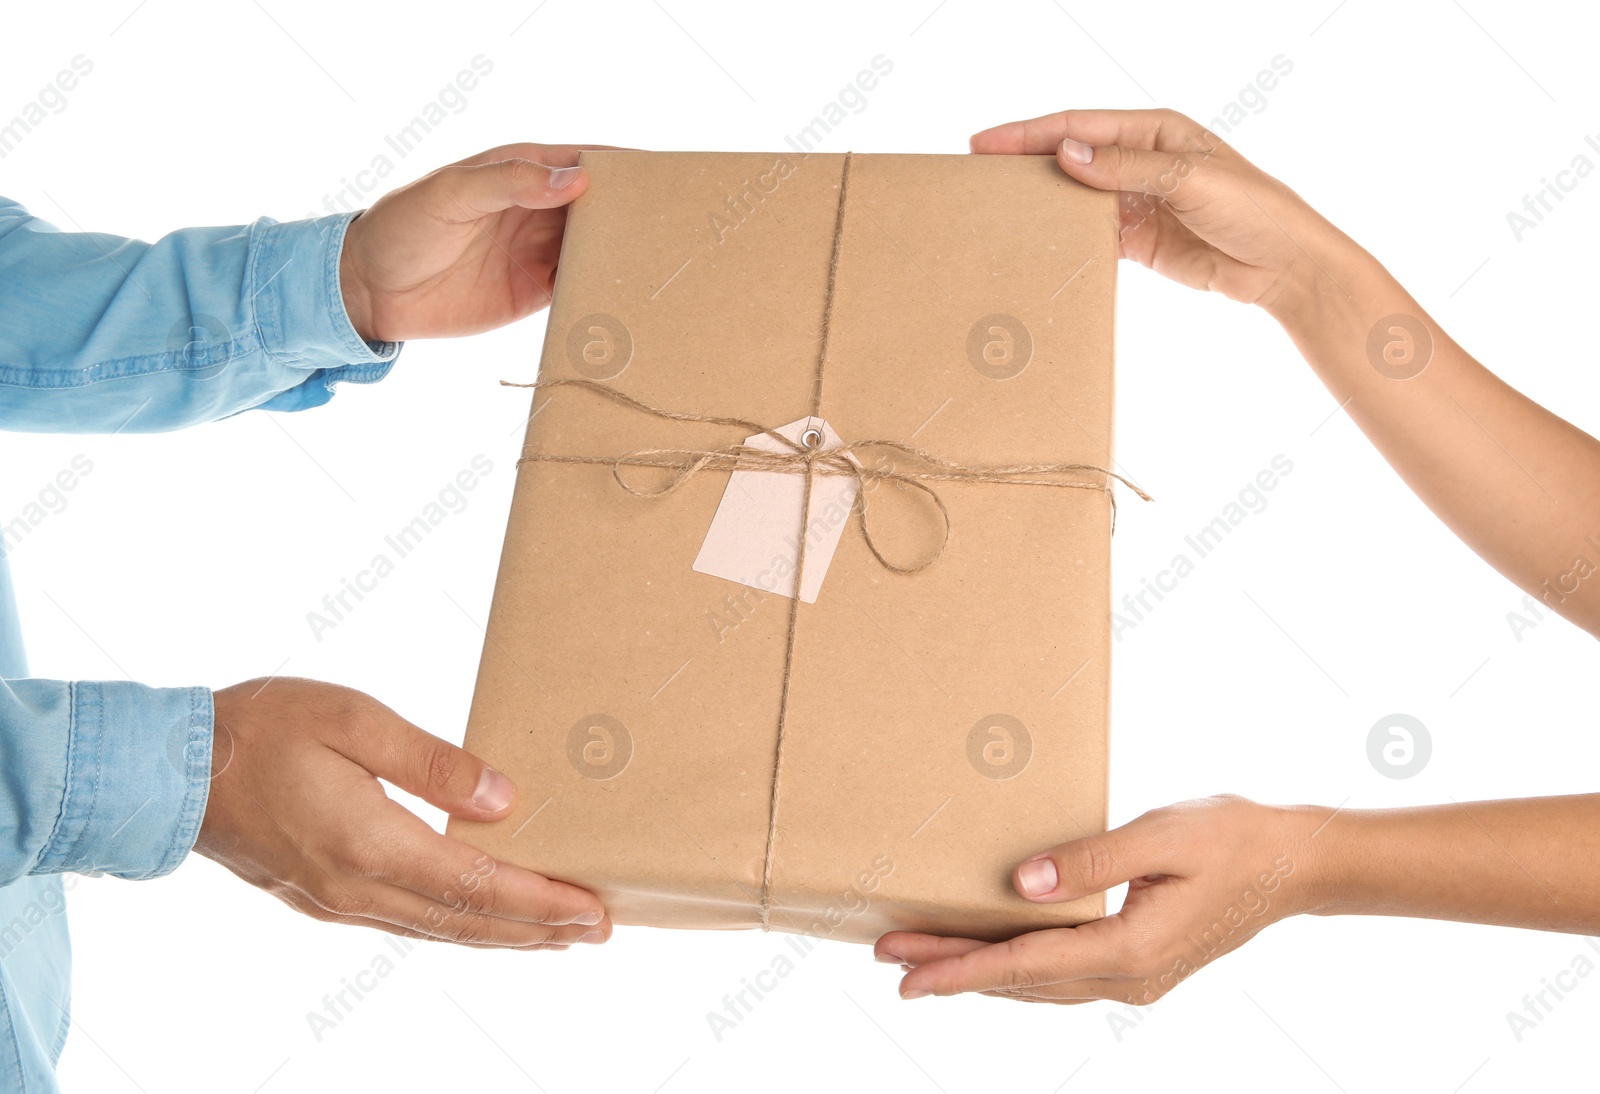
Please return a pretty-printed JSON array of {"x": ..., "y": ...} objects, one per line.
[{"x": 100, "y": 334}]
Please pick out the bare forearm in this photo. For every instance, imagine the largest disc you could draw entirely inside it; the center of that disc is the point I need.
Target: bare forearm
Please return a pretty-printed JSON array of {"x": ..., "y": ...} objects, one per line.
[
  {"x": 1532, "y": 862},
  {"x": 1518, "y": 484}
]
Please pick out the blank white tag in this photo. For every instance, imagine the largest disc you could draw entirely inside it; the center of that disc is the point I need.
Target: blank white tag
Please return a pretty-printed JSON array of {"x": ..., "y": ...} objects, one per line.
[{"x": 755, "y": 535}]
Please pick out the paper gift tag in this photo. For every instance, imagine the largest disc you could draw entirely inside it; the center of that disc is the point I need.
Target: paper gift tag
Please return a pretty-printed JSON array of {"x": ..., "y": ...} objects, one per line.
[{"x": 755, "y": 535}]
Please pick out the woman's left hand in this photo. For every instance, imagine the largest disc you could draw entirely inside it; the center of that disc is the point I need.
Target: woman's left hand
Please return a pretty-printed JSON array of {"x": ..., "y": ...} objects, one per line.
[{"x": 1204, "y": 877}]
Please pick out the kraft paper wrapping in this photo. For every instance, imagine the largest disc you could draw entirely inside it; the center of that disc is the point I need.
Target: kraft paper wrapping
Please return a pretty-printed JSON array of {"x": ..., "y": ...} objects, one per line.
[{"x": 940, "y": 726}]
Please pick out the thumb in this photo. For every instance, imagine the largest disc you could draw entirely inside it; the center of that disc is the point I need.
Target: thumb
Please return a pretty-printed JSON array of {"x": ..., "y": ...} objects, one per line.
[
  {"x": 438, "y": 772},
  {"x": 1093, "y": 864},
  {"x": 1172, "y": 176},
  {"x": 469, "y": 191}
]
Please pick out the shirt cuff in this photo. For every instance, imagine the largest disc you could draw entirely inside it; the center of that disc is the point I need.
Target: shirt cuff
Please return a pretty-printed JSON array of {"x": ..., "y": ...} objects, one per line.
[
  {"x": 300, "y": 312},
  {"x": 138, "y": 777}
]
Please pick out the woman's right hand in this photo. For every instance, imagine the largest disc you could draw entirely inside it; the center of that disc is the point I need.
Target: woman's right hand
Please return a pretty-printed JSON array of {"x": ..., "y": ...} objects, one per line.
[{"x": 1192, "y": 208}]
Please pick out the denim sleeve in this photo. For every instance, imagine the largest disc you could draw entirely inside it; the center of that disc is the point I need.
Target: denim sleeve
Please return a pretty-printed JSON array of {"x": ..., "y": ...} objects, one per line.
[
  {"x": 104, "y": 334},
  {"x": 100, "y": 334},
  {"x": 101, "y": 777}
]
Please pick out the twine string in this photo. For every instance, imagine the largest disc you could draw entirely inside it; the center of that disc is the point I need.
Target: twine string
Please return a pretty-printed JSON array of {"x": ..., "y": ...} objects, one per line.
[
  {"x": 811, "y": 455},
  {"x": 923, "y": 467}
]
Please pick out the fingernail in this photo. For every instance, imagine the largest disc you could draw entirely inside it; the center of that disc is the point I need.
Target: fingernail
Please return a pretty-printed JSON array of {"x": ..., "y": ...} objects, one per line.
[
  {"x": 494, "y": 791},
  {"x": 1076, "y": 152},
  {"x": 913, "y": 993},
  {"x": 1037, "y": 877},
  {"x": 563, "y": 177},
  {"x": 588, "y": 919},
  {"x": 889, "y": 959},
  {"x": 594, "y": 936}
]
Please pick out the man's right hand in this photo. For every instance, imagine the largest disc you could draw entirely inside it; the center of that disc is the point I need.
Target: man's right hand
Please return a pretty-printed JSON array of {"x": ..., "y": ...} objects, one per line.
[{"x": 296, "y": 809}]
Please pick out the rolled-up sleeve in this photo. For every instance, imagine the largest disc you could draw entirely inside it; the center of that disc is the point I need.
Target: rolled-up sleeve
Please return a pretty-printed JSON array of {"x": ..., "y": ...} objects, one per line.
[
  {"x": 101, "y": 777},
  {"x": 104, "y": 334}
]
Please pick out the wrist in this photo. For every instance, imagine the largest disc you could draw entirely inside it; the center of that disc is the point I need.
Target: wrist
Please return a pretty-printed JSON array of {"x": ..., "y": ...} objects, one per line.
[
  {"x": 1328, "y": 276},
  {"x": 1310, "y": 871}
]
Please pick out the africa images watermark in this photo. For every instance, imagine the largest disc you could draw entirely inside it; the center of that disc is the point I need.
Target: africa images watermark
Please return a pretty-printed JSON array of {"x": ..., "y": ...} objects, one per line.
[
  {"x": 451, "y": 100},
  {"x": 737, "y": 607},
  {"x": 34, "y": 915},
  {"x": 1539, "y": 204},
  {"x": 51, "y": 100},
  {"x": 50, "y": 501},
  {"x": 451, "y": 500},
  {"x": 740, "y": 205},
  {"x": 1539, "y": 1005},
  {"x": 1399, "y": 746},
  {"x": 1251, "y": 500},
  {"x": 739, "y": 1005},
  {"x": 1229, "y": 928},
  {"x": 1554, "y": 591},
  {"x": 1253, "y": 99},
  {"x": 852, "y": 98},
  {"x": 353, "y": 989}
]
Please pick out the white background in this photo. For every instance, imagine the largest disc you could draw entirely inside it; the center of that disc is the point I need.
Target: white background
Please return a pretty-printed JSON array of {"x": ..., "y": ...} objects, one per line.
[{"x": 194, "y": 558}]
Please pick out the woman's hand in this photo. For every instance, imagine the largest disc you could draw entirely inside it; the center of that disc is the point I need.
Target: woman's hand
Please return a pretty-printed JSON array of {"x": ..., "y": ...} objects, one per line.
[
  {"x": 295, "y": 808},
  {"x": 468, "y": 248},
  {"x": 1204, "y": 877},
  {"x": 1520, "y": 486},
  {"x": 1192, "y": 208}
]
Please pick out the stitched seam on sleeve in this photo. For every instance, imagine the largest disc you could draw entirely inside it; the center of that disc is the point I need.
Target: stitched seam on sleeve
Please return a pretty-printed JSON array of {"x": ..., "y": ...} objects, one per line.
[
  {"x": 119, "y": 368},
  {"x": 94, "y": 782},
  {"x": 175, "y": 851},
  {"x": 350, "y": 342},
  {"x": 260, "y": 236},
  {"x": 66, "y": 783}
]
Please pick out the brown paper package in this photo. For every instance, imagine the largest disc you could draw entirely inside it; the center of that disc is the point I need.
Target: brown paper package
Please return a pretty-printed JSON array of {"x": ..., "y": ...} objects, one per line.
[{"x": 939, "y": 726}]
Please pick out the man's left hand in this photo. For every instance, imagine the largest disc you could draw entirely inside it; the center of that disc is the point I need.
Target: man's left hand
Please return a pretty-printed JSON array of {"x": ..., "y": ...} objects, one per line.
[{"x": 468, "y": 248}]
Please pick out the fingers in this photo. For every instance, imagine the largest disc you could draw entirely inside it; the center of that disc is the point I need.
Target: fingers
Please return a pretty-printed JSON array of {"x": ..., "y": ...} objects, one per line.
[
  {"x": 915, "y": 948},
  {"x": 1181, "y": 179},
  {"x": 420, "y": 881},
  {"x": 1156, "y": 152},
  {"x": 469, "y": 191},
  {"x": 435, "y": 770},
  {"x": 454, "y": 876},
  {"x": 553, "y": 155},
  {"x": 1024, "y": 963},
  {"x": 406, "y": 909},
  {"x": 387, "y": 927},
  {"x": 1093, "y": 864},
  {"x": 444, "y": 874},
  {"x": 1072, "y": 993},
  {"x": 533, "y": 176},
  {"x": 328, "y": 842},
  {"x": 1152, "y": 130}
]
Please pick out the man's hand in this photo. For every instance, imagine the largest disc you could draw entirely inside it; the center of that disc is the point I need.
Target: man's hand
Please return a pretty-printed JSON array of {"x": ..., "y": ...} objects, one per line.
[
  {"x": 1203, "y": 878},
  {"x": 296, "y": 809},
  {"x": 468, "y": 248}
]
